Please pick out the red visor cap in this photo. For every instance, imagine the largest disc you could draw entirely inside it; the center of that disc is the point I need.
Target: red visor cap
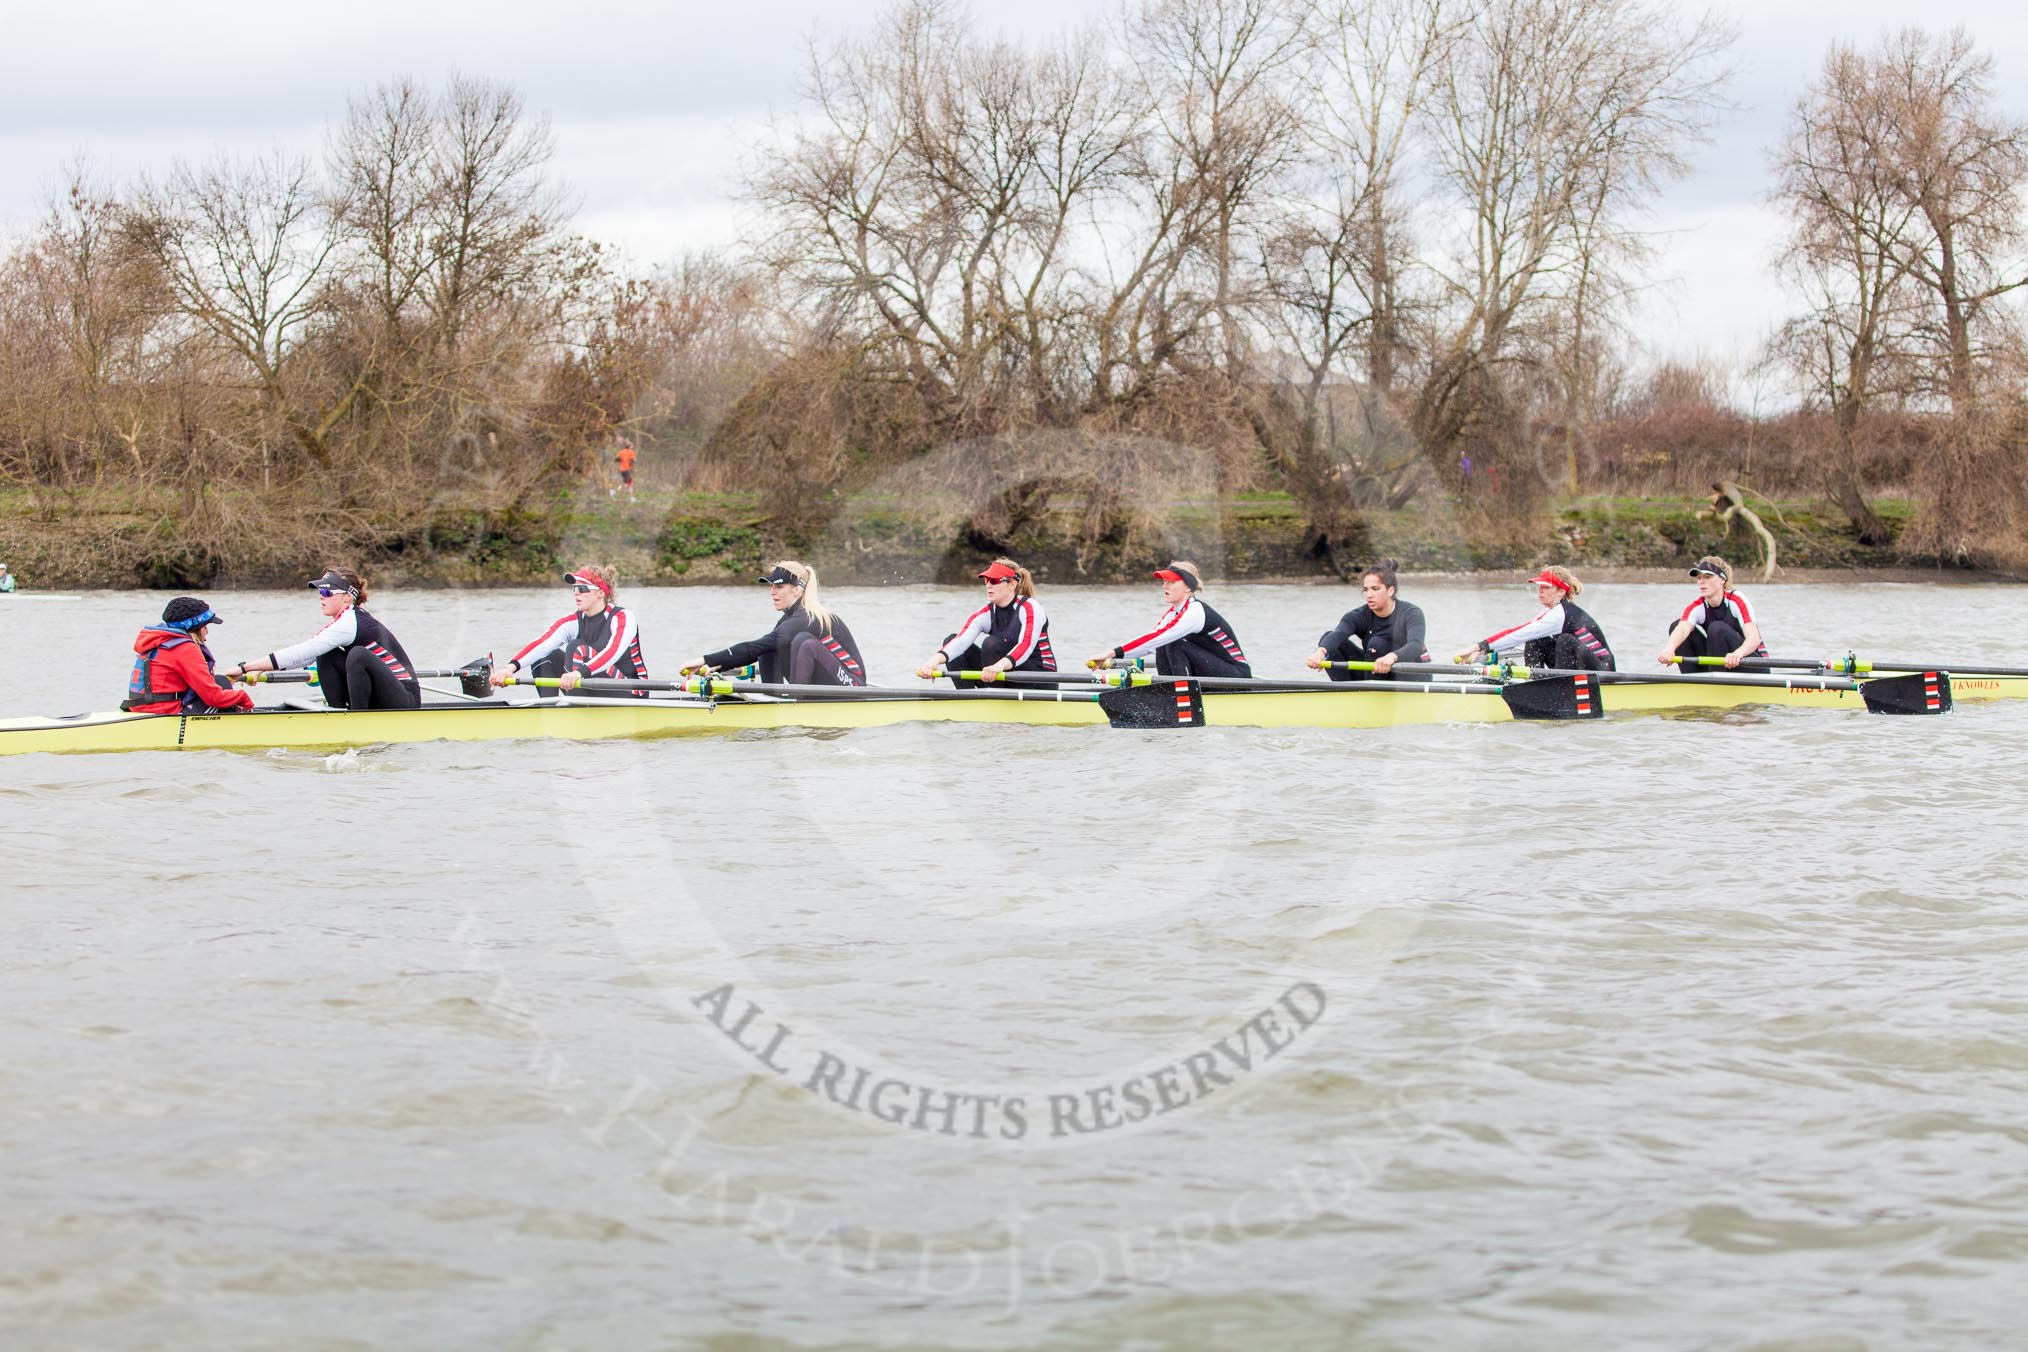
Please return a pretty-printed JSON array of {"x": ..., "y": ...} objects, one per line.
[
  {"x": 1555, "y": 582},
  {"x": 596, "y": 577},
  {"x": 1000, "y": 572},
  {"x": 1182, "y": 575}
]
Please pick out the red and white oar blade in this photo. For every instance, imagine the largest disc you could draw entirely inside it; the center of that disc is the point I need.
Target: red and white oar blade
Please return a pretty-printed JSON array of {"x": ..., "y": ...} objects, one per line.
[
  {"x": 1922, "y": 692},
  {"x": 1159, "y": 704},
  {"x": 1554, "y": 697}
]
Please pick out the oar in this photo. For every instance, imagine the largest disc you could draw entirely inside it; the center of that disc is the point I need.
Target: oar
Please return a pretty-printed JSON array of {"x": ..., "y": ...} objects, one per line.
[
  {"x": 1923, "y": 692},
  {"x": 1852, "y": 666},
  {"x": 711, "y": 685},
  {"x": 1558, "y": 696},
  {"x": 471, "y": 677},
  {"x": 1750, "y": 664},
  {"x": 310, "y": 676},
  {"x": 1255, "y": 684},
  {"x": 1914, "y": 694}
]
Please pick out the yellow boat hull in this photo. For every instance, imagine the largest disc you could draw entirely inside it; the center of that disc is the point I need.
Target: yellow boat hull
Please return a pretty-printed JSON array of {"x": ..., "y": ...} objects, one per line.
[{"x": 1354, "y": 706}]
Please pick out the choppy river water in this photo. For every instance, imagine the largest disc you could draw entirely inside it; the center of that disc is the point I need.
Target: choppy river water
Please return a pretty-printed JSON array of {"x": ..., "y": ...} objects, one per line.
[{"x": 1688, "y": 1032}]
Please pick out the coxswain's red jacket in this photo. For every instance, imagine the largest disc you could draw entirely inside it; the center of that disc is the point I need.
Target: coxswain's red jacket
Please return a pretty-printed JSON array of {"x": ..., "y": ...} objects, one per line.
[{"x": 181, "y": 666}]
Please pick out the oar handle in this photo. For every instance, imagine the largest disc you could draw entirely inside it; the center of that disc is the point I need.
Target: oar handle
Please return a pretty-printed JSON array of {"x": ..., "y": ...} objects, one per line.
[
  {"x": 1425, "y": 668},
  {"x": 1845, "y": 666},
  {"x": 308, "y": 675},
  {"x": 1023, "y": 677}
]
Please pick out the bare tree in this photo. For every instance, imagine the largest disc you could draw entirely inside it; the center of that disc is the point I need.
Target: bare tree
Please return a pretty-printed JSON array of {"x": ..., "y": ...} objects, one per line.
[
  {"x": 494, "y": 219},
  {"x": 1962, "y": 165},
  {"x": 1334, "y": 264},
  {"x": 1849, "y": 249},
  {"x": 244, "y": 250},
  {"x": 1219, "y": 79},
  {"x": 1551, "y": 125},
  {"x": 1365, "y": 88}
]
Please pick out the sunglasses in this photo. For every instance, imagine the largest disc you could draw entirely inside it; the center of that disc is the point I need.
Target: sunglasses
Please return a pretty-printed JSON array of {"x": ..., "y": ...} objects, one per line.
[
  {"x": 327, "y": 593},
  {"x": 582, "y": 587}
]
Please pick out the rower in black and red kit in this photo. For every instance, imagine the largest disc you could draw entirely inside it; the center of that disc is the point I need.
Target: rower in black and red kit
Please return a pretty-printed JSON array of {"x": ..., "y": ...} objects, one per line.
[
  {"x": 1562, "y": 635},
  {"x": 597, "y": 638},
  {"x": 808, "y": 645},
  {"x": 1191, "y": 639},
  {"x": 360, "y": 665},
  {"x": 173, "y": 669},
  {"x": 1719, "y": 623},
  {"x": 1008, "y": 633}
]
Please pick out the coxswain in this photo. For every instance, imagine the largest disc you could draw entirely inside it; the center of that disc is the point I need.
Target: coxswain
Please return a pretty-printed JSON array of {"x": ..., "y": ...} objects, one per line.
[
  {"x": 1384, "y": 631},
  {"x": 1719, "y": 623},
  {"x": 808, "y": 645},
  {"x": 360, "y": 665},
  {"x": 1191, "y": 639},
  {"x": 6, "y": 579},
  {"x": 1562, "y": 636},
  {"x": 173, "y": 667},
  {"x": 1008, "y": 633},
  {"x": 598, "y": 638}
]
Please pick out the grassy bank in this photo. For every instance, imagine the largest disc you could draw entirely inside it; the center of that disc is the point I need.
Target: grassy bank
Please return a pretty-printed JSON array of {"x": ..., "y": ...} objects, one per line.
[{"x": 666, "y": 536}]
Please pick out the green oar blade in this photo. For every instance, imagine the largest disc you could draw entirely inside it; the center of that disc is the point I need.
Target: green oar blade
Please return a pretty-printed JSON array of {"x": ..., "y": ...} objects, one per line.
[
  {"x": 1926, "y": 692},
  {"x": 1554, "y": 697}
]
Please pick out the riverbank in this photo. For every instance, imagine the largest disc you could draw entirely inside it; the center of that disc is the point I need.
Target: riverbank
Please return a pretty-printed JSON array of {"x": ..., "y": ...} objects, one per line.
[{"x": 670, "y": 537}]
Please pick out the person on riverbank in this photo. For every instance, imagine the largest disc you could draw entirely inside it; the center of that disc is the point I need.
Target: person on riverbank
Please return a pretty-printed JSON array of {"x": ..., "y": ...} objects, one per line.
[
  {"x": 1009, "y": 632},
  {"x": 1383, "y": 631},
  {"x": 808, "y": 645},
  {"x": 1719, "y": 623},
  {"x": 1561, "y": 636},
  {"x": 173, "y": 668},
  {"x": 360, "y": 664},
  {"x": 597, "y": 638},
  {"x": 6, "y": 579},
  {"x": 624, "y": 459},
  {"x": 1191, "y": 639}
]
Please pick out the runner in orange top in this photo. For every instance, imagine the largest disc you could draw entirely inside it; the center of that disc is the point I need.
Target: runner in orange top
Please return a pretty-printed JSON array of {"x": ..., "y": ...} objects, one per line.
[{"x": 625, "y": 460}]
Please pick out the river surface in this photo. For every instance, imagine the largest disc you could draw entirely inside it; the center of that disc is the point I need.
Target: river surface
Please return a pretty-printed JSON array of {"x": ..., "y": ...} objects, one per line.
[{"x": 1689, "y": 1032}]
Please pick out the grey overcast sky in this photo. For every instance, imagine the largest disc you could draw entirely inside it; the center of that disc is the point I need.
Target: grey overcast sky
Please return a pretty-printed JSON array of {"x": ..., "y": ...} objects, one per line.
[{"x": 650, "y": 103}]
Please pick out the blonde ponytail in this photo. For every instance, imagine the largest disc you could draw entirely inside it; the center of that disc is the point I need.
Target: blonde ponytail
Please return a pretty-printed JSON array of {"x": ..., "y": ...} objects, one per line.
[{"x": 807, "y": 575}]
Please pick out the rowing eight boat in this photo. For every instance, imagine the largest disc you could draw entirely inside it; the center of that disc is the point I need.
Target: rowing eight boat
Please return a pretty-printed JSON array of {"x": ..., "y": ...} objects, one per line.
[{"x": 1372, "y": 705}]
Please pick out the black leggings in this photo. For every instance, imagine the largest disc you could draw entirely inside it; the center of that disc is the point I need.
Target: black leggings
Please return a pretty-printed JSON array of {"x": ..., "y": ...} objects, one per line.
[
  {"x": 353, "y": 678},
  {"x": 811, "y": 662},
  {"x": 1715, "y": 639},
  {"x": 1563, "y": 653},
  {"x": 1185, "y": 659}
]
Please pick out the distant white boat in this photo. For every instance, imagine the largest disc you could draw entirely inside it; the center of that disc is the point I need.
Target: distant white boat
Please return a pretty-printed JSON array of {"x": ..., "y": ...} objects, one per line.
[{"x": 36, "y": 596}]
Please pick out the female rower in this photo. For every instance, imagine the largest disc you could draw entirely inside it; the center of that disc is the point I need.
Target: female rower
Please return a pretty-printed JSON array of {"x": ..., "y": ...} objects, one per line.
[
  {"x": 1191, "y": 639},
  {"x": 1008, "y": 633},
  {"x": 1384, "y": 631},
  {"x": 597, "y": 638},
  {"x": 1719, "y": 623},
  {"x": 173, "y": 667},
  {"x": 808, "y": 643},
  {"x": 1562, "y": 636},
  {"x": 360, "y": 665}
]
